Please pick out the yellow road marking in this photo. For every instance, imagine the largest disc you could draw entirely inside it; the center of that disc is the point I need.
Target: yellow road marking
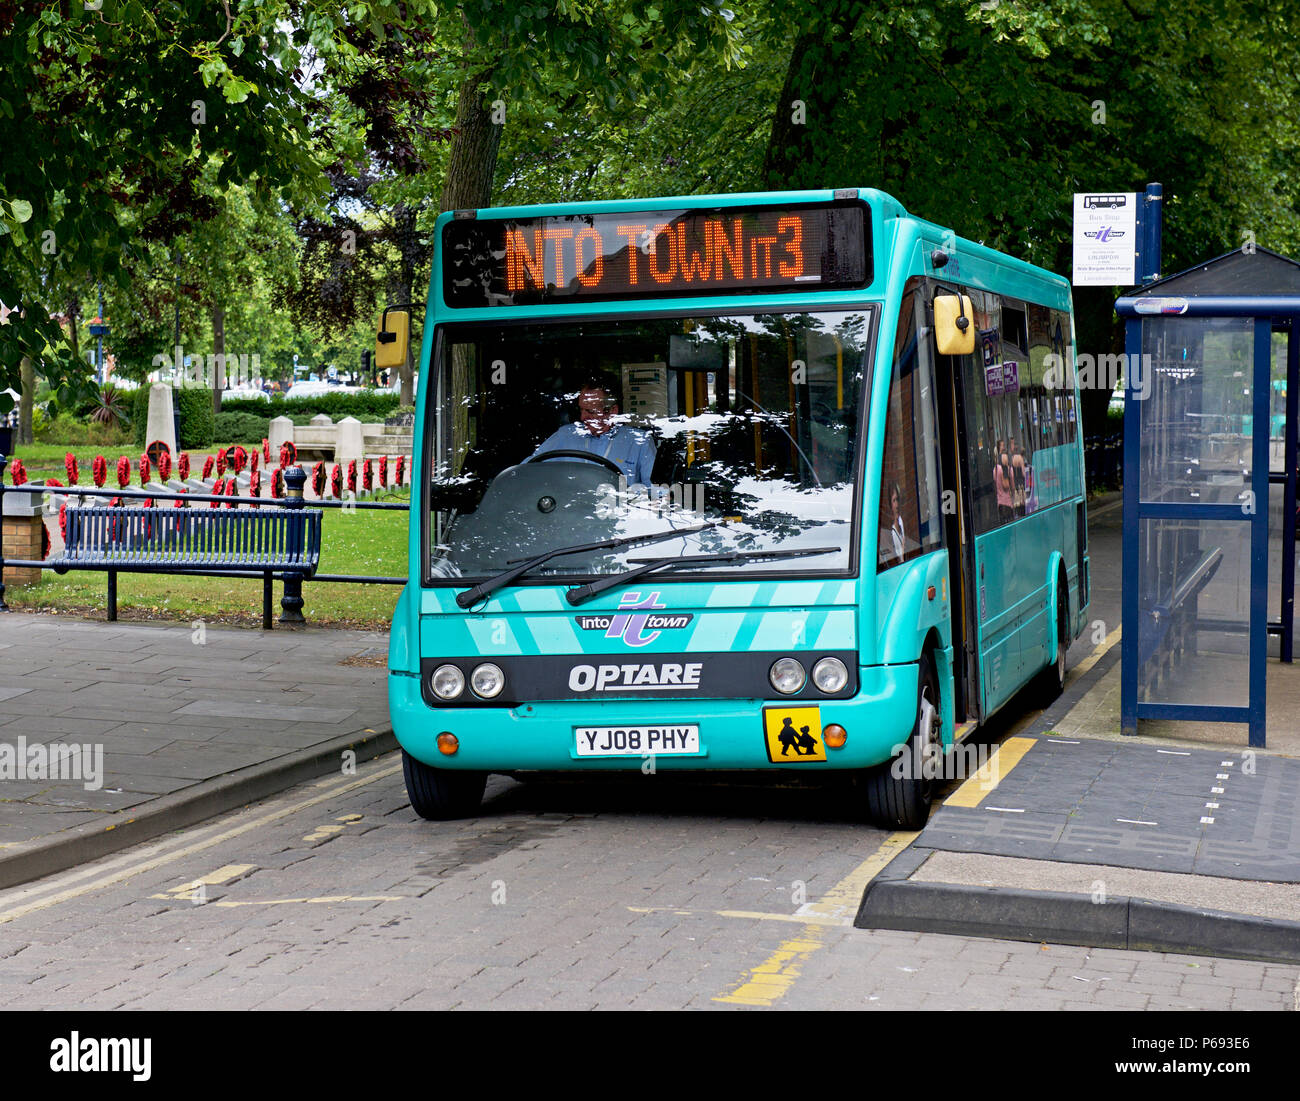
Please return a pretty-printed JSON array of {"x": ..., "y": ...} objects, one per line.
[
  {"x": 964, "y": 730},
  {"x": 772, "y": 979},
  {"x": 322, "y": 832},
  {"x": 1097, "y": 654},
  {"x": 845, "y": 897},
  {"x": 321, "y": 898},
  {"x": 985, "y": 779},
  {"x": 212, "y": 879},
  {"x": 348, "y": 818},
  {"x": 336, "y": 789}
]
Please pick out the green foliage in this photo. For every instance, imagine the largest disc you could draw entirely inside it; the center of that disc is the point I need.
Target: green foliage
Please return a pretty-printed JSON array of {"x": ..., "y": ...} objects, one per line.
[
  {"x": 322, "y": 119},
  {"x": 107, "y": 117},
  {"x": 370, "y": 405},
  {"x": 66, "y": 430},
  {"x": 112, "y": 407},
  {"x": 197, "y": 422},
  {"x": 245, "y": 428},
  {"x": 140, "y": 415}
]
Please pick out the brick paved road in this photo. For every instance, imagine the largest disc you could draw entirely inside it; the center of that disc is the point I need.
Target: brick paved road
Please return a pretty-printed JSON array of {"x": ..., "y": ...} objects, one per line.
[{"x": 653, "y": 895}]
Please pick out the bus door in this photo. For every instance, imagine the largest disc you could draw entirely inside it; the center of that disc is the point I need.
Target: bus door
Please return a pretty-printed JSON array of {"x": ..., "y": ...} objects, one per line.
[{"x": 958, "y": 529}]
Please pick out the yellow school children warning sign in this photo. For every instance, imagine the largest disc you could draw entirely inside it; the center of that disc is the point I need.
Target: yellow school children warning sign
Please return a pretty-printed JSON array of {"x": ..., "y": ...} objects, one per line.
[{"x": 793, "y": 734}]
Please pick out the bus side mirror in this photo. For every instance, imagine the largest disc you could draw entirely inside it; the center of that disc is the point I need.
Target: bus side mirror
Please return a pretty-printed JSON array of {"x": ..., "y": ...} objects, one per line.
[
  {"x": 954, "y": 332},
  {"x": 392, "y": 340}
]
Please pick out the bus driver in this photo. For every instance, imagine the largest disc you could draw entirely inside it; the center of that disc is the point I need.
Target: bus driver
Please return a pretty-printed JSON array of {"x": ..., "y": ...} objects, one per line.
[{"x": 598, "y": 432}]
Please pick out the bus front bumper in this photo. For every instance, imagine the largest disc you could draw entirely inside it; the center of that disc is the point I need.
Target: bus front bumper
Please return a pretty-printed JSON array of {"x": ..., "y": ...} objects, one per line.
[{"x": 729, "y": 734}]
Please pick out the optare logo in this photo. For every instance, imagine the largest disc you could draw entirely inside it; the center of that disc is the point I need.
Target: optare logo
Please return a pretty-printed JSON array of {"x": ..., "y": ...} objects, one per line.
[
  {"x": 668, "y": 677},
  {"x": 635, "y": 622}
]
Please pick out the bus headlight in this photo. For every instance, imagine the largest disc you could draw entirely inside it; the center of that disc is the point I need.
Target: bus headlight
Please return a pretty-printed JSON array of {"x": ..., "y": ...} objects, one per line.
[
  {"x": 830, "y": 675},
  {"x": 787, "y": 676},
  {"x": 447, "y": 682},
  {"x": 487, "y": 681}
]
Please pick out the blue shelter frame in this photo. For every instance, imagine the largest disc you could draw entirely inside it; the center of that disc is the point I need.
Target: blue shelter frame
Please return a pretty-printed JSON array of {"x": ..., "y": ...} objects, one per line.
[{"x": 1198, "y": 424}]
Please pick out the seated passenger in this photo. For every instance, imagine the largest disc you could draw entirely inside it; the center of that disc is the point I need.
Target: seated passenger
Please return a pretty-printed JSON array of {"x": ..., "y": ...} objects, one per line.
[{"x": 598, "y": 432}]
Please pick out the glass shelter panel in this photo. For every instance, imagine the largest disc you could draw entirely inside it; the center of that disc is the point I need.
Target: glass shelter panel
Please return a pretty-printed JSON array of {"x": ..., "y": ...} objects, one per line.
[
  {"x": 1194, "y": 599},
  {"x": 1195, "y": 387}
]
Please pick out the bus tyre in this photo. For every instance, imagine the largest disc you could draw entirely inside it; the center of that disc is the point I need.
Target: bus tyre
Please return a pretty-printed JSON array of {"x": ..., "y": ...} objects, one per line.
[
  {"x": 440, "y": 793},
  {"x": 1051, "y": 680},
  {"x": 899, "y": 792}
]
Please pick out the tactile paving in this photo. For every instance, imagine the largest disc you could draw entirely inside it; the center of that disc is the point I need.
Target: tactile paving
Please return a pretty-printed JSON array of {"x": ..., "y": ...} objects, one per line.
[{"x": 1137, "y": 806}]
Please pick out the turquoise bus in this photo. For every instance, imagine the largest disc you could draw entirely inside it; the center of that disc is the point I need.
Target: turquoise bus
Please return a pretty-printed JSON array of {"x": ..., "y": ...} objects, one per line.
[{"x": 789, "y": 483}]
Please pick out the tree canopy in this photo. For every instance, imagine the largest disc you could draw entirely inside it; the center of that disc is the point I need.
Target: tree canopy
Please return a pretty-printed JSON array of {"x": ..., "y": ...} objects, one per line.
[{"x": 273, "y": 167}]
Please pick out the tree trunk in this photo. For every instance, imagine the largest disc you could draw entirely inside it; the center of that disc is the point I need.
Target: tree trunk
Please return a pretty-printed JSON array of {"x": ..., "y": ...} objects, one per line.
[
  {"x": 473, "y": 160},
  {"x": 27, "y": 371},
  {"x": 74, "y": 311},
  {"x": 789, "y": 146},
  {"x": 219, "y": 350},
  {"x": 802, "y": 147}
]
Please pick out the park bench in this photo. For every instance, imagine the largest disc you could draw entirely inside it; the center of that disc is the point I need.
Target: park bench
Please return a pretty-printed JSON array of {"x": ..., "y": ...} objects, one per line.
[{"x": 284, "y": 542}]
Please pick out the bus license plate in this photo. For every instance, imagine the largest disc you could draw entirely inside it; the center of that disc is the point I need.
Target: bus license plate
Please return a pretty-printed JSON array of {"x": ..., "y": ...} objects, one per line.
[{"x": 637, "y": 741}]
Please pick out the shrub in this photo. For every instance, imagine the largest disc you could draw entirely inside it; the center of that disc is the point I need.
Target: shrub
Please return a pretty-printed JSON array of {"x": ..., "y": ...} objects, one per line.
[
  {"x": 70, "y": 432},
  {"x": 198, "y": 428},
  {"x": 245, "y": 428},
  {"x": 372, "y": 406}
]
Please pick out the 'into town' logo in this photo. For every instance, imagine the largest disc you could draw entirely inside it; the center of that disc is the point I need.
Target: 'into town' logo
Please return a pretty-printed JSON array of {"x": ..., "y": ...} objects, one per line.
[{"x": 635, "y": 622}]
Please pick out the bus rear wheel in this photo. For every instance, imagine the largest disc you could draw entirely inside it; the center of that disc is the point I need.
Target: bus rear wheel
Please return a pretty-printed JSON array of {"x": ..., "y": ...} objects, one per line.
[
  {"x": 1051, "y": 679},
  {"x": 439, "y": 794},
  {"x": 899, "y": 792}
]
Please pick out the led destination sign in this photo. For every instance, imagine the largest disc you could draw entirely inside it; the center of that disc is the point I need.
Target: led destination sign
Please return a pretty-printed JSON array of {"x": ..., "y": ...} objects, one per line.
[{"x": 639, "y": 254}]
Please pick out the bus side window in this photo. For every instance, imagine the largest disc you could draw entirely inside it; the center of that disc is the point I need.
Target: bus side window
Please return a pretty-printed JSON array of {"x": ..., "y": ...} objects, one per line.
[
  {"x": 979, "y": 444},
  {"x": 910, "y": 520}
]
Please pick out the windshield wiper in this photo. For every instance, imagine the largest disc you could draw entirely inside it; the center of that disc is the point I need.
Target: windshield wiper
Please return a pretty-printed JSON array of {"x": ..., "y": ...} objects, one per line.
[
  {"x": 580, "y": 593},
  {"x": 506, "y": 577}
]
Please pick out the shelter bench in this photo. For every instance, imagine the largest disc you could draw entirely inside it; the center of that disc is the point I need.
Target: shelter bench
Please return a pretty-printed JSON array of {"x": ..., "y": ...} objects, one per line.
[{"x": 1169, "y": 618}]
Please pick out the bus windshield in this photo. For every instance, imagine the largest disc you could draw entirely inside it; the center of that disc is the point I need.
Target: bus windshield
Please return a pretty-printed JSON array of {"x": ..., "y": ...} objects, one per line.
[{"x": 555, "y": 434}]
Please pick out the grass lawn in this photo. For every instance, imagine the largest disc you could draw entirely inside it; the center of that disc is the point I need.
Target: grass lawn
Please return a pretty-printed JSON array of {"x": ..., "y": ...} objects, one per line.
[{"x": 355, "y": 542}]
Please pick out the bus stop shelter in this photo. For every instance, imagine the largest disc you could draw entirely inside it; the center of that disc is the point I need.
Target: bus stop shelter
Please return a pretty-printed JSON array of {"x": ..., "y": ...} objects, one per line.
[{"x": 1211, "y": 387}]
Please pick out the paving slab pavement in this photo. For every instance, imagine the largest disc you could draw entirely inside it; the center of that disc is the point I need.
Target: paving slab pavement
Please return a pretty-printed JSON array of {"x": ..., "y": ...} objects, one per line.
[
  {"x": 1181, "y": 839},
  {"x": 181, "y": 723},
  {"x": 111, "y": 734}
]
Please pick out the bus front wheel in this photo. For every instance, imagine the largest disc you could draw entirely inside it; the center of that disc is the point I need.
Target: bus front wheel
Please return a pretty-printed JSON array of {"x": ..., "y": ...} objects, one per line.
[
  {"x": 899, "y": 792},
  {"x": 440, "y": 793}
]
